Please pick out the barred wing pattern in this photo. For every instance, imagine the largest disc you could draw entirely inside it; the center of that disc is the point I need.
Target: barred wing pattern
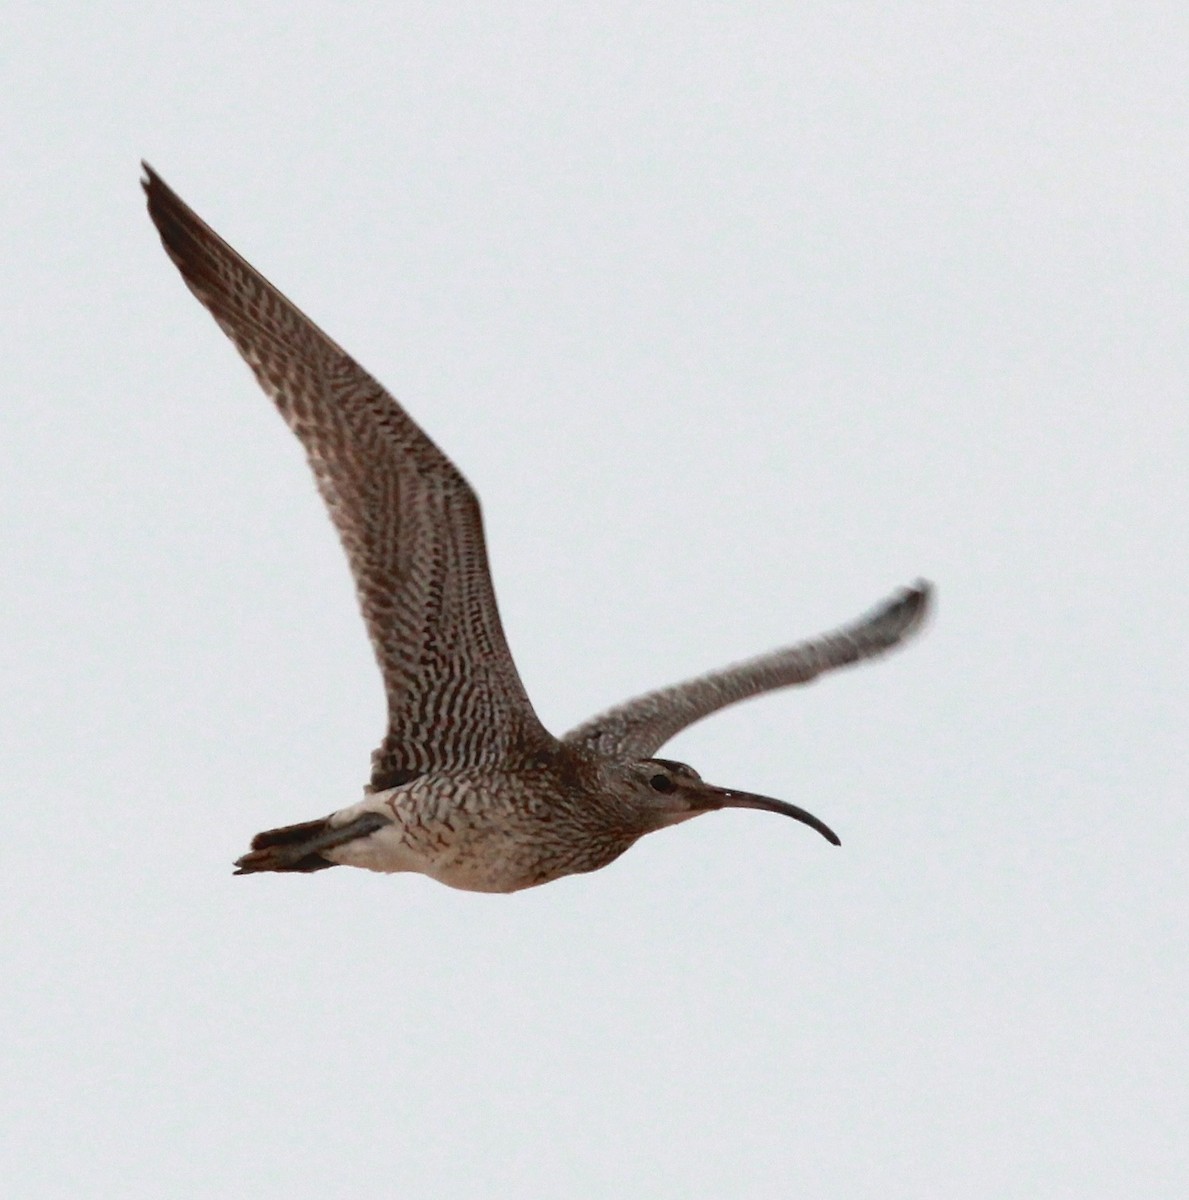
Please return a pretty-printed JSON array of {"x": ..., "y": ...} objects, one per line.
[
  {"x": 639, "y": 728},
  {"x": 408, "y": 520}
]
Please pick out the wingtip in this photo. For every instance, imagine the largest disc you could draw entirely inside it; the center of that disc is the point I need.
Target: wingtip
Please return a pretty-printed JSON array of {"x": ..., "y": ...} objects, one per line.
[
  {"x": 160, "y": 195},
  {"x": 900, "y": 616},
  {"x": 919, "y": 588},
  {"x": 918, "y": 599}
]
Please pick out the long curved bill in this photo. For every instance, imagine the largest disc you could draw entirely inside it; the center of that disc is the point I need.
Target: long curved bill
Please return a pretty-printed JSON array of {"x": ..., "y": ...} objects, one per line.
[{"x": 732, "y": 799}]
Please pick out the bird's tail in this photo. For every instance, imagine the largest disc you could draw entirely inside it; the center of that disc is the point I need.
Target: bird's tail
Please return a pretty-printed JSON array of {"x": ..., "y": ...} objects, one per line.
[{"x": 301, "y": 847}]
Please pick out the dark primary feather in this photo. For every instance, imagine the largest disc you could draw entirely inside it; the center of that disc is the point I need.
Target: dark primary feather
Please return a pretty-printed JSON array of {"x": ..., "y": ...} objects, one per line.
[
  {"x": 408, "y": 520},
  {"x": 640, "y": 727}
]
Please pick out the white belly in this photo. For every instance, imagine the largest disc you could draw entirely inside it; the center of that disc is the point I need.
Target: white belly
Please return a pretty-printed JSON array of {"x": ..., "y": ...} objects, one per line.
[{"x": 477, "y": 850}]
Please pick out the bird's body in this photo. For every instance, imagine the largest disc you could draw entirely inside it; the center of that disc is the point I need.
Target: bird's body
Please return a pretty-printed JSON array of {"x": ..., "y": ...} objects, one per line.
[
  {"x": 467, "y": 786},
  {"x": 494, "y": 831}
]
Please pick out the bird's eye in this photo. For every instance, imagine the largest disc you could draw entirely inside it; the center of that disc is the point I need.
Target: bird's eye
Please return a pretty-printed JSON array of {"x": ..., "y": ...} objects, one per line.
[{"x": 662, "y": 783}]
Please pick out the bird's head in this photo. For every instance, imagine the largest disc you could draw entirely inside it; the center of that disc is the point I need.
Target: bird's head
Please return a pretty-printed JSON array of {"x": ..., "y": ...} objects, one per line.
[{"x": 669, "y": 792}]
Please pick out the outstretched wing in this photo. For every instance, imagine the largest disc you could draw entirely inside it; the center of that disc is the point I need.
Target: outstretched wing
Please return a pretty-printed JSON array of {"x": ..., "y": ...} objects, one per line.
[
  {"x": 408, "y": 520},
  {"x": 639, "y": 728}
]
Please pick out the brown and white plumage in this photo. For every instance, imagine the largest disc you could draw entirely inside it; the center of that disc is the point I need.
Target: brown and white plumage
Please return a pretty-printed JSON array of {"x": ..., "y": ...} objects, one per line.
[
  {"x": 467, "y": 786},
  {"x": 640, "y": 727},
  {"x": 408, "y": 520}
]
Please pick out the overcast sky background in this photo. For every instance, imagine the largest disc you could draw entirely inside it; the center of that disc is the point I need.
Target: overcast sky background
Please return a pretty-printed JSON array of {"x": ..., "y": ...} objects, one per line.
[{"x": 737, "y": 318}]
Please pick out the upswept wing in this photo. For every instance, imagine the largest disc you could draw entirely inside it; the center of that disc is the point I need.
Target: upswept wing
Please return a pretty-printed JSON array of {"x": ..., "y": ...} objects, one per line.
[
  {"x": 639, "y": 728},
  {"x": 408, "y": 520}
]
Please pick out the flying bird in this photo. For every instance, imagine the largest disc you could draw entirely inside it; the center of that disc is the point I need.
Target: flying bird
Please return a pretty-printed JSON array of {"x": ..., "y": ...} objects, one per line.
[{"x": 467, "y": 786}]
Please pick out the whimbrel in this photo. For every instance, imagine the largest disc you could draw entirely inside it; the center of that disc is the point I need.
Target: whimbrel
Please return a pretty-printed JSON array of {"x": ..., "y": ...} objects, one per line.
[{"x": 467, "y": 786}]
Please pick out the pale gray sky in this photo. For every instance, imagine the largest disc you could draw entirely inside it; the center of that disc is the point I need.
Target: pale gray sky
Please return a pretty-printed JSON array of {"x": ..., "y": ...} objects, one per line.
[{"x": 737, "y": 317}]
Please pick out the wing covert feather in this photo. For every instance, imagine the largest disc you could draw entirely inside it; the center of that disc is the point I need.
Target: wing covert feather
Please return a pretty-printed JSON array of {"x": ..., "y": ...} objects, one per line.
[
  {"x": 640, "y": 727},
  {"x": 408, "y": 520}
]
